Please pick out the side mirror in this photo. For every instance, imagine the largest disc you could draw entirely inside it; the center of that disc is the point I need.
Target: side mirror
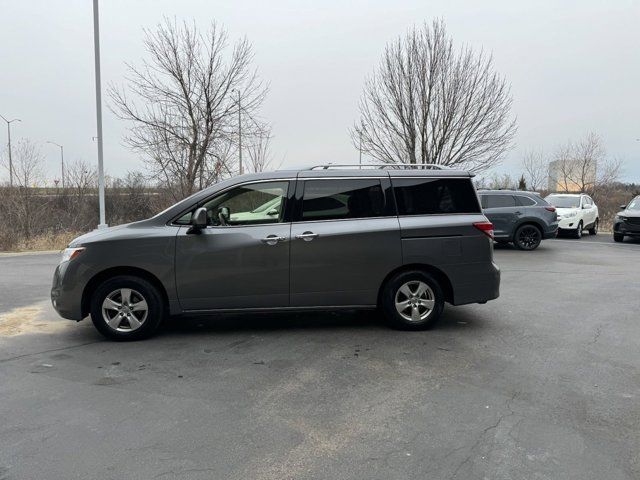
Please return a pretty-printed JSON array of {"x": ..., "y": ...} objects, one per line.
[
  {"x": 199, "y": 219},
  {"x": 224, "y": 215},
  {"x": 623, "y": 207}
]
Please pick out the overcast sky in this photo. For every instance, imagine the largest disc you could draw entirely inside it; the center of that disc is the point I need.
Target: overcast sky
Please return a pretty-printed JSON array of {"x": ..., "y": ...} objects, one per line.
[{"x": 574, "y": 67}]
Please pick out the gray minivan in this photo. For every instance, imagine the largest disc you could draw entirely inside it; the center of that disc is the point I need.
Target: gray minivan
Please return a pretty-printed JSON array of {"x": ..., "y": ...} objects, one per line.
[{"x": 404, "y": 240}]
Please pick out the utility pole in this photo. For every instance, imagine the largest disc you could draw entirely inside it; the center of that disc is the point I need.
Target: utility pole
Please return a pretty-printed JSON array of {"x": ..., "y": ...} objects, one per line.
[
  {"x": 9, "y": 122},
  {"x": 239, "y": 133},
  {"x": 61, "y": 159},
  {"x": 96, "y": 46},
  {"x": 362, "y": 127}
]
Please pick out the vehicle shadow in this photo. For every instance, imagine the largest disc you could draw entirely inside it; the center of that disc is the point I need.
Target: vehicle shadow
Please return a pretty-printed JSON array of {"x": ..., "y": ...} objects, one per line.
[{"x": 453, "y": 318}]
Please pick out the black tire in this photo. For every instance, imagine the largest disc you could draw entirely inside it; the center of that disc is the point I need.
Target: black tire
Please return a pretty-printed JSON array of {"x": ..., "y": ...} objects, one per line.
[
  {"x": 578, "y": 232},
  {"x": 594, "y": 228},
  {"x": 618, "y": 237},
  {"x": 395, "y": 288},
  {"x": 527, "y": 237},
  {"x": 133, "y": 322}
]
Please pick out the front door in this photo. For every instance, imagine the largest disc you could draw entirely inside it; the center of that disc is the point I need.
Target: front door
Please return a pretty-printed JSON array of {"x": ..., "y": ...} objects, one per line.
[
  {"x": 343, "y": 243},
  {"x": 241, "y": 260}
]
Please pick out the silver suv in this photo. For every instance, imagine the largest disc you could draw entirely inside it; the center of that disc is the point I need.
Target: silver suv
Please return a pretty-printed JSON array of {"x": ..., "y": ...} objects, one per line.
[{"x": 405, "y": 240}]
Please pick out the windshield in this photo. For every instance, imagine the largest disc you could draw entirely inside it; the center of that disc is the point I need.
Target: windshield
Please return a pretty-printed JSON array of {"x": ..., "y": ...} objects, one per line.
[
  {"x": 634, "y": 205},
  {"x": 563, "y": 201}
]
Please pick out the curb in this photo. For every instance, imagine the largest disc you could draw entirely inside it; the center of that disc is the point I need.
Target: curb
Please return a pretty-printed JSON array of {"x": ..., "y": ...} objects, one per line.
[{"x": 36, "y": 252}]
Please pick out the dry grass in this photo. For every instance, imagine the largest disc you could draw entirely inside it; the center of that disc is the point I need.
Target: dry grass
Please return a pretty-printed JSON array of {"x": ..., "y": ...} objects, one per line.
[{"x": 47, "y": 241}]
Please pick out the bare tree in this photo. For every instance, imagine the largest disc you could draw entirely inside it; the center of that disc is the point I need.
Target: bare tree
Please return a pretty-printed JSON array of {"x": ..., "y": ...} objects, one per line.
[
  {"x": 536, "y": 169},
  {"x": 183, "y": 103},
  {"x": 259, "y": 152},
  {"x": 583, "y": 166},
  {"x": 428, "y": 102},
  {"x": 502, "y": 182},
  {"x": 27, "y": 175},
  {"x": 80, "y": 177}
]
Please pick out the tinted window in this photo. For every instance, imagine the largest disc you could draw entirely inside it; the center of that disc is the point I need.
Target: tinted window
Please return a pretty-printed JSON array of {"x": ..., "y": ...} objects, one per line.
[
  {"x": 339, "y": 199},
  {"x": 525, "y": 201},
  {"x": 427, "y": 196},
  {"x": 500, "y": 201}
]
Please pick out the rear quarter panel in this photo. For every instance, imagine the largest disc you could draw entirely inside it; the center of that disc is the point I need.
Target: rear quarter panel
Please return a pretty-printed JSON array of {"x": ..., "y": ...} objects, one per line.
[{"x": 454, "y": 246}]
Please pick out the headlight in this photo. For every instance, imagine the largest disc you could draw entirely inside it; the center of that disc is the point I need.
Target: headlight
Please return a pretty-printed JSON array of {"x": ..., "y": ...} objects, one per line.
[
  {"x": 71, "y": 253},
  {"x": 570, "y": 214},
  {"x": 620, "y": 217}
]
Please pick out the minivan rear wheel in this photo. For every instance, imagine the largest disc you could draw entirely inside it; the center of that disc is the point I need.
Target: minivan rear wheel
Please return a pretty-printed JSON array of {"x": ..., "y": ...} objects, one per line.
[
  {"x": 412, "y": 300},
  {"x": 127, "y": 308}
]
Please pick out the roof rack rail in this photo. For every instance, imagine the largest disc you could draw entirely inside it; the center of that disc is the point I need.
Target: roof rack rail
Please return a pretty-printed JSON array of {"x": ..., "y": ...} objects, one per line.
[{"x": 381, "y": 166}]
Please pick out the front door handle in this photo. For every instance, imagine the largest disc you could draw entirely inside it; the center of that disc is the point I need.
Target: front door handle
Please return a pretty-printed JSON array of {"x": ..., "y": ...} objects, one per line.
[
  {"x": 307, "y": 236},
  {"x": 518, "y": 213},
  {"x": 272, "y": 239}
]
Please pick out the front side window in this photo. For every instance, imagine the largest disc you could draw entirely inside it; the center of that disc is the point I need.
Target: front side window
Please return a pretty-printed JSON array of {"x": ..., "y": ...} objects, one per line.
[
  {"x": 429, "y": 196},
  {"x": 635, "y": 204},
  {"x": 342, "y": 199},
  {"x": 252, "y": 204}
]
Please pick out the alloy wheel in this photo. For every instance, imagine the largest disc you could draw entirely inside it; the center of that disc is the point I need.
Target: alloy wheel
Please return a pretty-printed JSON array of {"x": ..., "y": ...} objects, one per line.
[
  {"x": 414, "y": 301},
  {"x": 125, "y": 310},
  {"x": 528, "y": 237}
]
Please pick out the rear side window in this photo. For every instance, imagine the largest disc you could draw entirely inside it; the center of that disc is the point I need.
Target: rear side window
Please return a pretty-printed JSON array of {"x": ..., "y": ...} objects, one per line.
[
  {"x": 499, "y": 201},
  {"x": 342, "y": 199},
  {"x": 525, "y": 201},
  {"x": 432, "y": 196}
]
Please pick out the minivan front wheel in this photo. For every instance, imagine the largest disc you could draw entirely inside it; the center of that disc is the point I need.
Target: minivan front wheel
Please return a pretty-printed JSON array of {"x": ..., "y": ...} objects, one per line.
[
  {"x": 412, "y": 300},
  {"x": 127, "y": 308}
]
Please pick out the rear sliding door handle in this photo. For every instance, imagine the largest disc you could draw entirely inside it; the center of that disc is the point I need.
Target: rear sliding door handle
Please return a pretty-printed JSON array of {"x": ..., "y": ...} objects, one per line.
[
  {"x": 272, "y": 239},
  {"x": 307, "y": 236}
]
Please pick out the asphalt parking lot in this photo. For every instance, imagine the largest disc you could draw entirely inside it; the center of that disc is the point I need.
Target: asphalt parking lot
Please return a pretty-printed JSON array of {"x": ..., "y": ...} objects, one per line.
[{"x": 543, "y": 383}]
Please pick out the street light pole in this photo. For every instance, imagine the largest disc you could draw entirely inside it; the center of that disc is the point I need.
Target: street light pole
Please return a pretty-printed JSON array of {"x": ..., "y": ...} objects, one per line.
[
  {"x": 61, "y": 158},
  {"x": 96, "y": 46},
  {"x": 239, "y": 132},
  {"x": 9, "y": 122}
]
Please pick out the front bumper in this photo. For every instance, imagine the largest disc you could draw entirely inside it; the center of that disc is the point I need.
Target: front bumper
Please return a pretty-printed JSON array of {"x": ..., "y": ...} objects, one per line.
[
  {"x": 569, "y": 223},
  {"x": 623, "y": 228},
  {"x": 66, "y": 296}
]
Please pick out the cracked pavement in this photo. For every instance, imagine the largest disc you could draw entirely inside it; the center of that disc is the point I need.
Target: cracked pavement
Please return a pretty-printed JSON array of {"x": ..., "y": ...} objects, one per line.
[{"x": 543, "y": 383}]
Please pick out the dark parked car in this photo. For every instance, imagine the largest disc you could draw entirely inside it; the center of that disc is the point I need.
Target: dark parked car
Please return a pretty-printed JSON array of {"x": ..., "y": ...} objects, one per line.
[
  {"x": 403, "y": 240},
  {"x": 627, "y": 221},
  {"x": 522, "y": 218}
]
